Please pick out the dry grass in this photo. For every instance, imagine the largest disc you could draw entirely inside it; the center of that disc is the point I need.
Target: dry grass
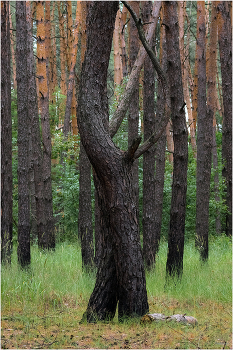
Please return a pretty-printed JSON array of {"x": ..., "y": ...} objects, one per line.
[{"x": 42, "y": 308}]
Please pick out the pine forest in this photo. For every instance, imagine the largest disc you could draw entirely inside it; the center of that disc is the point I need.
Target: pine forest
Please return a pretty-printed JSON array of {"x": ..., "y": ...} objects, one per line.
[{"x": 116, "y": 174}]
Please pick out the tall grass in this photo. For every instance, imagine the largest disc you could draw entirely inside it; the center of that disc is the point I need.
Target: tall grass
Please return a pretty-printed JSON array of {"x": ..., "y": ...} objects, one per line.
[{"x": 55, "y": 276}]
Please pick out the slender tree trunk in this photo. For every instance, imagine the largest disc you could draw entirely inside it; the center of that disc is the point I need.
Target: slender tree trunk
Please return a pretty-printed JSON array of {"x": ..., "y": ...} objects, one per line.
[
  {"x": 62, "y": 49},
  {"x": 117, "y": 51},
  {"x": 47, "y": 239},
  {"x": 148, "y": 222},
  {"x": 73, "y": 56},
  {"x": 211, "y": 99},
  {"x": 113, "y": 169},
  {"x": 204, "y": 141},
  {"x": 6, "y": 137},
  {"x": 52, "y": 60},
  {"x": 133, "y": 113},
  {"x": 24, "y": 256},
  {"x": 36, "y": 152},
  {"x": 123, "y": 46},
  {"x": 12, "y": 52},
  {"x": 160, "y": 148},
  {"x": 225, "y": 48},
  {"x": 174, "y": 265}
]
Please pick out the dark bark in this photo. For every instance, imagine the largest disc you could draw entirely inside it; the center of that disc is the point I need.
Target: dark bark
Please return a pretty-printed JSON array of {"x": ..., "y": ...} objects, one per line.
[
  {"x": 133, "y": 114},
  {"x": 98, "y": 235},
  {"x": 113, "y": 170},
  {"x": 160, "y": 152},
  {"x": 225, "y": 48},
  {"x": 46, "y": 239},
  {"x": 180, "y": 136},
  {"x": 6, "y": 138},
  {"x": 36, "y": 186},
  {"x": 23, "y": 136},
  {"x": 85, "y": 230},
  {"x": 148, "y": 222},
  {"x": 204, "y": 145}
]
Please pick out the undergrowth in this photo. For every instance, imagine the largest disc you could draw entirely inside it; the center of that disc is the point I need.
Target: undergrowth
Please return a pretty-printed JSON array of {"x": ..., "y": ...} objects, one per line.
[{"x": 42, "y": 307}]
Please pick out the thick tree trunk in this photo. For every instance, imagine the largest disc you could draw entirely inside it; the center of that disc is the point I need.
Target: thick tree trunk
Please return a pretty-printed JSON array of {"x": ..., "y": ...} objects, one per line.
[
  {"x": 204, "y": 141},
  {"x": 6, "y": 137},
  {"x": 24, "y": 257},
  {"x": 180, "y": 136},
  {"x": 225, "y": 48},
  {"x": 113, "y": 169}
]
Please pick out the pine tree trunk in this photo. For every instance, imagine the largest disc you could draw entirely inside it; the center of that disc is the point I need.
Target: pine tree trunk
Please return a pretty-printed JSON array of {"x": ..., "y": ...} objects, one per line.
[
  {"x": 160, "y": 148},
  {"x": 6, "y": 136},
  {"x": 204, "y": 141},
  {"x": 46, "y": 239},
  {"x": 24, "y": 256},
  {"x": 36, "y": 152},
  {"x": 174, "y": 265},
  {"x": 133, "y": 113},
  {"x": 148, "y": 222},
  {"x": 85, "y": 230},
  {"x": 124, "y": 282},
  {"x": 225, "y": 48}
]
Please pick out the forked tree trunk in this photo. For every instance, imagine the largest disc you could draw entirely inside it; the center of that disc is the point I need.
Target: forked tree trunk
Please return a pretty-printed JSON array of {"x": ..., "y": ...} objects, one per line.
[
  {"x": 24, "y": 257},
  {"x": 174, "y": 265},
  {"x": 113, "y": 170},
  {"x": 6, "y": 137}
]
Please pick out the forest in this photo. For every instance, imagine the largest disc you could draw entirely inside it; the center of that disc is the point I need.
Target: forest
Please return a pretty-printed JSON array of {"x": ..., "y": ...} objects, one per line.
[{"x": 116, "y": 174}]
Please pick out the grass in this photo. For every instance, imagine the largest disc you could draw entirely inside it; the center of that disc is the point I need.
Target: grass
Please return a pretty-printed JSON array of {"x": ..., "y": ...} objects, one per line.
[{"x": 42, "y": 308}]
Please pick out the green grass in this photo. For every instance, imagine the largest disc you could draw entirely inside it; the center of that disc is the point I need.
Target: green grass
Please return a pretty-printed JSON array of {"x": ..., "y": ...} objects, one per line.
[{"x": 42, "y": 307}]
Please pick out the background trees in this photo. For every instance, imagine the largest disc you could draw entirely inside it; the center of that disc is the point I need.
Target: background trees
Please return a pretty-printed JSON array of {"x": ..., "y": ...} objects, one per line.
[{"x": 58, "y": 193}]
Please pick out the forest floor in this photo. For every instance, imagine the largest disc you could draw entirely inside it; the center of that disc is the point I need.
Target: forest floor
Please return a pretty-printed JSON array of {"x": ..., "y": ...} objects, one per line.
[
  {"x": 42, "y": 308},
  {"x": 59, "y": 327}
]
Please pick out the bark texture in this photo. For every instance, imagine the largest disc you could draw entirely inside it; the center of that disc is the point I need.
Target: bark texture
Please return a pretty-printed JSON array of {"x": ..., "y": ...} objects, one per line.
[
  {"x": 24, "y": 257},
  {"x": 6, "y": 137},
  {"x": 148, "y": 222},
  {"x": 204, "y": 141},
  {"x": 180, "y": 136},
  {"x": 46, "y": 239},
  {"x": 113, "y": 170},
  {"x": 35, "y": 137},
  {"x": 225, "y": 48}
]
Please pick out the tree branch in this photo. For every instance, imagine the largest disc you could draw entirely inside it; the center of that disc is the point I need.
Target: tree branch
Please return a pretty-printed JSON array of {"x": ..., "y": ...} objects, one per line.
[
  {"x": 122, "y": 108},
  {"x": 161, "y": 76},
  {"x": 130, "y": 154}
]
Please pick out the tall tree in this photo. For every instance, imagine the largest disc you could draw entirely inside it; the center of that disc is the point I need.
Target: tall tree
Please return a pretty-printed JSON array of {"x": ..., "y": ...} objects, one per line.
[
  {"x": 35, "y": 137},
  {"x": 148, "y": 222},
  {"x": 161, "y": 144},
  {"x": 47, "y": 239},
  {"x": 6, "y": 137},
  {"x": 204, "y": 140},
  {"x": 24, "y": 256},
  {"x": 133, "y": 113},
  {"x": 211, "y": 72},
  {"x": 225, "y": 48},
  {"x": 113, "y": 169},
  {"x": 180, "y": 136},
  {"x": 120, "y": 276}
]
